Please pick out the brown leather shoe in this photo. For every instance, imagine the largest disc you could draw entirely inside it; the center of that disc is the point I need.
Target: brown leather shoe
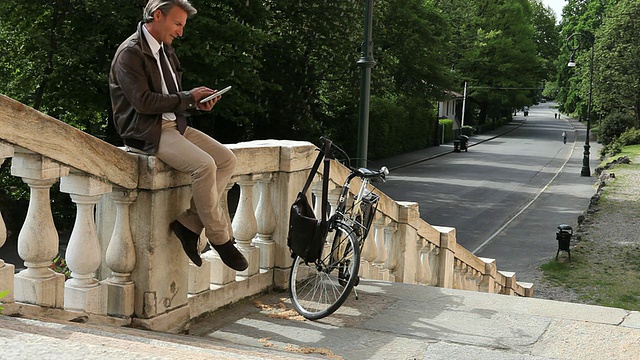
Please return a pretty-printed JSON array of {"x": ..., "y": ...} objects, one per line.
[
  {"x": 189, "y": 241},
  {"x": 231, "y": 256}
]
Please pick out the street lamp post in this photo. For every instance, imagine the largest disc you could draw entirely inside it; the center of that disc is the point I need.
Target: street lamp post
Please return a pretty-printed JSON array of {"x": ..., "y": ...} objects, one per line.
[
  {"x": 365, "y": 63},
  {"x": 586, "y": 170}
]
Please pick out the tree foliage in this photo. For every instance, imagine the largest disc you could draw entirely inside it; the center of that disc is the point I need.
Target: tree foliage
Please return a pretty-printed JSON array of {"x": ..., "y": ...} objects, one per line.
[
  {"x": 292, "y": 63},
  {"x": 53, "y": 55},
  {"x": 609, "y": 28},
  {"x": 546, "y": 37},
  {"x": 498, "y": 55},
  {"x": 617, "y": 71},
  {"x": 613, "y": 125}
]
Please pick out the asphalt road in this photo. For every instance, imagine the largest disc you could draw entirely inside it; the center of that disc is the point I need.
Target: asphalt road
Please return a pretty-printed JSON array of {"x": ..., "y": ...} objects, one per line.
[{"x": 506, "y": 196}]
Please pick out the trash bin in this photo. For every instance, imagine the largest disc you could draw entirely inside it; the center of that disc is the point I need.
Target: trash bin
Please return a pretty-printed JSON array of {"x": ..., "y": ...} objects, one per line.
[
  {"x": 456, "y": 145},
  {"x": 564, "y": 239},
  {"x": 464, "y": 140}
]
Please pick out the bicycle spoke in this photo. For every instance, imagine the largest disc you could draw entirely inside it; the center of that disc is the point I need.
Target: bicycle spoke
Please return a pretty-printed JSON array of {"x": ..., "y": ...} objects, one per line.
[{"x": 318, "y": 289}]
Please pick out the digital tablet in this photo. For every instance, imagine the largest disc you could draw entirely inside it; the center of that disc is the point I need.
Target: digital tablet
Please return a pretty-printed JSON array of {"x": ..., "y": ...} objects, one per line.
[{"x": 211, "y": 97}]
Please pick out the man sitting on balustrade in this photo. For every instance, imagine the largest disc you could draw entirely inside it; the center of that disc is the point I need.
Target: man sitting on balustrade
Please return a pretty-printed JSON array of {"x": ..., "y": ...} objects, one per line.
[{"x": 150, "y": 113}]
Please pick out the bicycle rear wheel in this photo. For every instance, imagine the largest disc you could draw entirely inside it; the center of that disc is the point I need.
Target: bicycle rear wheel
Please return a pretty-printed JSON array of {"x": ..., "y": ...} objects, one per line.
[{"x": 318, "y": 289}]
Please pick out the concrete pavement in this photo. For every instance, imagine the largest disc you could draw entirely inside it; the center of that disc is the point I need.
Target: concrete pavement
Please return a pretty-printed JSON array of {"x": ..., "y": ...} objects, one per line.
[
  {"x": 527, "y": 239},
  {"x": 390, "y": 321},
  {"x": 399, "y": 321}
]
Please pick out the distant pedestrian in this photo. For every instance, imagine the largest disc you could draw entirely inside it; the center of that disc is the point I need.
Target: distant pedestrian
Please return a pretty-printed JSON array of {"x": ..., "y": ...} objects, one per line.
[
  {"x": 564, "y": 137},
  {"x": 555, "y": 115},
  {"x": 558, "y": 116}
]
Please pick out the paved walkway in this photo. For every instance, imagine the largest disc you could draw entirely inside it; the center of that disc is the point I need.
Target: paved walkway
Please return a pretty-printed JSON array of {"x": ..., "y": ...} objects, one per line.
[{"x": 390, "y": 321}]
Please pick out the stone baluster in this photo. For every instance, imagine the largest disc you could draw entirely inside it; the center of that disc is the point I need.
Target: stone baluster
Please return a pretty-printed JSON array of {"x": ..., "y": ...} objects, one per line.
[
  {"x": 38, "y": 238},
  {"x": 266, "y": 221},
  {"x": 221, "y": 274},
  {"x": 200, "y": 276},
  {"x": 6, "y": 270},
  {"x": 477, "y": 280},
  {"x": 121, "y": 257},
  {"x": 370, "y": 252},
  {"x": 433, "y": 262},
  {"x": 420, "y": 268},
  {"x": 381, "y": 250},
  {"x": 457, "y": 267},
  {"x": 473, "y": 280},
  {"x": 425, "y": 273},
  {"x": 392, "y": 251},
  {"x": 332, "y": 197},
  {"x": 245, "y": 225},
  {"x": 464, "y": 276},
  {"x": 83, "y": 256},
  {"x": 316, "y": 191}
]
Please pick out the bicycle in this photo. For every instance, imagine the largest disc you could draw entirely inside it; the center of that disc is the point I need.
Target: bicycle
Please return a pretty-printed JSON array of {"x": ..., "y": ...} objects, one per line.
[{"x": 319, "y": 288}]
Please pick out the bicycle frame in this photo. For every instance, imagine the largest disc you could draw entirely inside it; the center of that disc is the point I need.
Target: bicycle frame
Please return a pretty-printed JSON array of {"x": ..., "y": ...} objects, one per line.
[
  {"x": 355, "y": 215},
  {"x": 318, "y": 289}
]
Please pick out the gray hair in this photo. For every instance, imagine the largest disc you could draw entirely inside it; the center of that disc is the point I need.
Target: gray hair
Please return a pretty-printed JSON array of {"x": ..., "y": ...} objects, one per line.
[{"x": 164, "y": 6}]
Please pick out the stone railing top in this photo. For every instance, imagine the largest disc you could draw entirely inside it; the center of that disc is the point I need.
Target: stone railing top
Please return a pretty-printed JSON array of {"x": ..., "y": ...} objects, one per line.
[
  {"x": 25, "y": 127},
  {"x": 260, "y": 156},
  {"x": 30, "y": 129}
]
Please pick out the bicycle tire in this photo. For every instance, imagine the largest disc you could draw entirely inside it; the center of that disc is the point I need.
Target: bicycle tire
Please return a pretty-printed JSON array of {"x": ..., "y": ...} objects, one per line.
[{"x": 318, "y": 289}]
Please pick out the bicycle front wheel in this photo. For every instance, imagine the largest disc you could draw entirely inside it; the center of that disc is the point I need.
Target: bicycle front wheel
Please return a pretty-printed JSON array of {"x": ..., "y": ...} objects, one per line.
[{"x": 318, "y": 289}]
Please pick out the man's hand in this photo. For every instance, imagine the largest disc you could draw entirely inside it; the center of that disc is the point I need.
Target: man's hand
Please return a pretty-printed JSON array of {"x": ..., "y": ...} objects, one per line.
[{"x": 202, "y": 92}]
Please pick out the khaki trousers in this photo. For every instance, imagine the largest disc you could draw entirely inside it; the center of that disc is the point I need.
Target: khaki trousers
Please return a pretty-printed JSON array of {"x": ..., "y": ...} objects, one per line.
[{"x": 211, "y": 166}]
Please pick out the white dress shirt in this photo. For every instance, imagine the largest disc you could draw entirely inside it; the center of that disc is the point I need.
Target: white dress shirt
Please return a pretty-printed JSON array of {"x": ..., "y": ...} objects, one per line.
[{"x": 155, "y": 49}]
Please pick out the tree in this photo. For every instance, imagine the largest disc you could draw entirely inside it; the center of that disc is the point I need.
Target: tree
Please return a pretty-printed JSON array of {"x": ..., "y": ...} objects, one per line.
[
  {"x": 500, "y": 61},
  {"x": 56, "y": 57},
  {"x": 222, "y": 46},
  {"x": 410, "y": 75},
  {"x": 617, "y": 69},
  {"x": 547, "y": 38},
  {"x": 584, "y": 17}
]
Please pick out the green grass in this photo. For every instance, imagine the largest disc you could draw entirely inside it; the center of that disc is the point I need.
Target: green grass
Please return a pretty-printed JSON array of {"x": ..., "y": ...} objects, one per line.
[
  {"x": 613, "y": 284},
  {"x": 632, "y": 151},
  {"x": 603, "y": 269}
]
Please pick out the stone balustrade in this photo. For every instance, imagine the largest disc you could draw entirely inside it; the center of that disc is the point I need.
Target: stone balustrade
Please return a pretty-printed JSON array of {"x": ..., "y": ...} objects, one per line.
[
  {"x": 128, "y": 268},
  {"x": 402, "y": 247}
]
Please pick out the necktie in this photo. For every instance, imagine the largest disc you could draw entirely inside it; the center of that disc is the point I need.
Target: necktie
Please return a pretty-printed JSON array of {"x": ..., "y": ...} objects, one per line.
[{"x": 171, "y": 88}]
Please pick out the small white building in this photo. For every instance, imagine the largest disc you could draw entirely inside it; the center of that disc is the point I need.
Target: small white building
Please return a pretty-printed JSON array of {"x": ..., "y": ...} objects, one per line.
[{"x": 448, "y": 108}]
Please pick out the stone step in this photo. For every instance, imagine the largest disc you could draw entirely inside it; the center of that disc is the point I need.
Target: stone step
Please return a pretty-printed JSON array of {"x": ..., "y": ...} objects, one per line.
[
  {"x": 35, "y": 339},
  {"x": 389, "y": 321}
]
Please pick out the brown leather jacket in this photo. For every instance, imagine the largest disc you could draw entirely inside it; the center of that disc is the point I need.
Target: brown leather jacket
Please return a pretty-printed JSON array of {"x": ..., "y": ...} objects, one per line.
[{"x": 136, "y": 93}]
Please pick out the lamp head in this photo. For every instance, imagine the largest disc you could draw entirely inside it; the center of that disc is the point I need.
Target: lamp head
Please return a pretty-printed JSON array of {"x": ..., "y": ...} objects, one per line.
[{"x": 572, "y": 62}]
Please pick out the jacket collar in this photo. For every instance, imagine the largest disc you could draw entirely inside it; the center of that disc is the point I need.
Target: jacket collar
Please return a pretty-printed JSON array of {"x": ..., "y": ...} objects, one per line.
[{"x": 146, "y": 48}]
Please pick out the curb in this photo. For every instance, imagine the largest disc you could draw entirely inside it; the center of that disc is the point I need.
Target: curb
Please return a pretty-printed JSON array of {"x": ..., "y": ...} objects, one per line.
[{"x": 451, "y": 151}]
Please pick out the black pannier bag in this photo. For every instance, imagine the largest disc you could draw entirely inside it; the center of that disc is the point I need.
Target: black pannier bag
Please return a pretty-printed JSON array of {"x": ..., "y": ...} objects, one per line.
[{"x": 306, "y": 232}]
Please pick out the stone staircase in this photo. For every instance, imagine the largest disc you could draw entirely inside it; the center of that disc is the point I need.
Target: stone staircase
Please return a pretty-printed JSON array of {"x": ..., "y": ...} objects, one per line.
[{"x": 389, "y": 321}]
